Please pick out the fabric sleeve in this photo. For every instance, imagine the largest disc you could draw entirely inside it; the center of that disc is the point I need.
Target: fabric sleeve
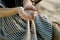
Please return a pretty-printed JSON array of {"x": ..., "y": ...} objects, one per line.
[
  {"x": 44, "y": 28},
  {"x": 1, "y": 31},
  {"x": 2, "y": 6}
]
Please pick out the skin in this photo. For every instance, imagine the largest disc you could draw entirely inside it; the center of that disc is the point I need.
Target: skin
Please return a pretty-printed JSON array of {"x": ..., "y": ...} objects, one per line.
[{"x": 5, "y": 12}]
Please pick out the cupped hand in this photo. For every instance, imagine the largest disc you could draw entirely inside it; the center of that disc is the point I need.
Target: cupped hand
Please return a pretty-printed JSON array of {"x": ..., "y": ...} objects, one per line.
[{"x": 22, "y": 14}]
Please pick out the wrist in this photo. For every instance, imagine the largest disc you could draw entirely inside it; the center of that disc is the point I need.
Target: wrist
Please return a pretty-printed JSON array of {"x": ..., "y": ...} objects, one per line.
[{"x": 16, "y": 9}]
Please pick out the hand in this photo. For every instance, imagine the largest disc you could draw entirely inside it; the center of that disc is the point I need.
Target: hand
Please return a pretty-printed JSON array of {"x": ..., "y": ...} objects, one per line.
[
  {"x": 23, "y": 15},
  {"x": 28, "y": 6}
]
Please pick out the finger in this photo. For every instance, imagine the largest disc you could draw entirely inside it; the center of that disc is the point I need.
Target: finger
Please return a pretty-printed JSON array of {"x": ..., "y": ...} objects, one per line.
[
  {"x": 25, "y": 17},
  {"x": 35, "y": 13},
  {"x": 31, "y": 7}
]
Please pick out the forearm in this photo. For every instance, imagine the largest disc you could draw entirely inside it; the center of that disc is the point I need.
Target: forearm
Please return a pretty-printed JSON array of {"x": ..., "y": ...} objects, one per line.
[{"x": 4, "y": 12}]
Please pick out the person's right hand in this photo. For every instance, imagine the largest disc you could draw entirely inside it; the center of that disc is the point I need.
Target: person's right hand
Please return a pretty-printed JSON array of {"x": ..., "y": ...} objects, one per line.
[{"x": 23, "y": 15}]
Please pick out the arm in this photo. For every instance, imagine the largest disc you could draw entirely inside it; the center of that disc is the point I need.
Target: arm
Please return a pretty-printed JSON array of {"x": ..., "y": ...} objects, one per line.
[{"x": 4, "y": 12}]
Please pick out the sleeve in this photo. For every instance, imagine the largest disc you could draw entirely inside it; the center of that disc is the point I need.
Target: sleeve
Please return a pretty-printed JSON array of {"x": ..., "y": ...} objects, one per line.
[
  {"x": 1, "y": 31},
  {"x": 44, "y": 28},
  {"x": 19, "y": 2},
  {"x": 2, "y": 6}
]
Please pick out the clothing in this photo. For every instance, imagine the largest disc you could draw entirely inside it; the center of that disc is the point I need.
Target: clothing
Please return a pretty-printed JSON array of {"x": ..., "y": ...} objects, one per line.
[
  {"x": 51, "y": 10},
  {"x": 15, "y": 28},
  {"x": 13, "y": 3}
]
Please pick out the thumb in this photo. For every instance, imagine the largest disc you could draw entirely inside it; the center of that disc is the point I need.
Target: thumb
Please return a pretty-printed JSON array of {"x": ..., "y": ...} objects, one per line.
[{"x": 30, "y": 7}]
